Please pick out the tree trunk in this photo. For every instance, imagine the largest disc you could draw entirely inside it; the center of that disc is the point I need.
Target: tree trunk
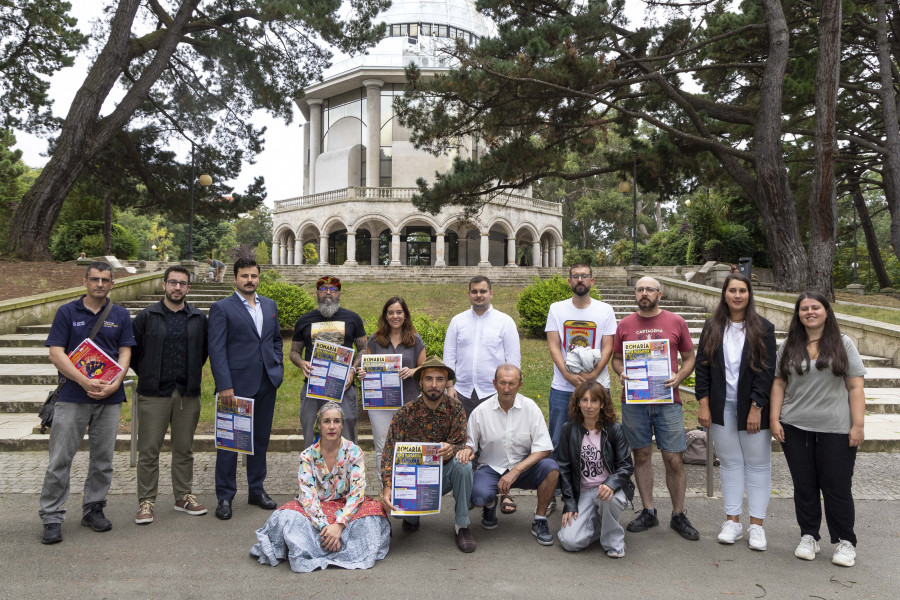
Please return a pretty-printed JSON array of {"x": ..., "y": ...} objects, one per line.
[
  {"x": 84, "y": 133},
  {"x": 865, "y": 221},
  {"x": 891, "y": 159},
  {"x": 823, "y": 195},
  {"x": 107, "y": 223}
]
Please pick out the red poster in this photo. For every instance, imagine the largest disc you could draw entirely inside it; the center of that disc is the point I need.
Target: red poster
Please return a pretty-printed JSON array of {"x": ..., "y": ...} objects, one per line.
[{"x": 93, "y": 362}]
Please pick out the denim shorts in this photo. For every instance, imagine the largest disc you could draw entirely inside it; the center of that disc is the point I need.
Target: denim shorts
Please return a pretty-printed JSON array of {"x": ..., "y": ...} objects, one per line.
[{"x": 666, "y": 421}]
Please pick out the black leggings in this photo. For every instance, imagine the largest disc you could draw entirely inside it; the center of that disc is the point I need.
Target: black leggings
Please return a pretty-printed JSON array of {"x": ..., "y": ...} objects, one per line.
[{"x": 822, "y": 461}]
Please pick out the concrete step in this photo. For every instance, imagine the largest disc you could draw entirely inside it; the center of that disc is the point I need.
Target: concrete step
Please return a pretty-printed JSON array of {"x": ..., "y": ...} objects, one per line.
[
  {"x": 141, "y": 304},
  {"x": 882, "y": 400},
  {"x": 23, "y": 398},
  {"x": 34, "y": 374},
  {"x": 192, "y": 297},
  {"x": 23, "y": 340},
  {"x": 882, "y": 377},
  {"x": 22, "y": 356},
  {"x": 44, "y": 329}
]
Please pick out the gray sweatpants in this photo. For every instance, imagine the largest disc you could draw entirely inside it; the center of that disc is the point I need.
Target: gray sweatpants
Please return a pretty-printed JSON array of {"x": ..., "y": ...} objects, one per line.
[
  {"x": 309, "y": 410},
  {"x": 70, "y": 420},
  {"x": 597, "y": 520}
]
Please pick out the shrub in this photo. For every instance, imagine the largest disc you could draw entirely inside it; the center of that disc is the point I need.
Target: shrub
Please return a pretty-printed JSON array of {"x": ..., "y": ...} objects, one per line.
[
  {"x": 242, "y": 251},
  {"x": 71, "y": 238},
  {"x": 291, "y": 300},
  {"x": 262, "y": 253},
  {"x": 432, "y": 332},
  {"x": 534, "y": 301}
]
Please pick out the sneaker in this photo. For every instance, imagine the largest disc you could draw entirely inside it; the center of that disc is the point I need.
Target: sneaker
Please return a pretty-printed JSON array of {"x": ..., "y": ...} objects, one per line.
[
  {"x": 644, "y": 521},
  {"x": 489, "y": 516},
  {"x": 540, "y": 529},
  {"x": 807, "y": 548},
  {"x": 95, "y": 519},
  {"x": 145, "y": 513},
  {"x": 550, "y": 508},
  {"x": 844, "y": 555},
  {"x": 682, "y": 525},
  {"x": 731, "y": 532},
  {"x": 757, "y": 538},
  {"x": 189, "y": 505},
  {"x": 52, "y": 533},
  {"x": 616, "y": 553}
]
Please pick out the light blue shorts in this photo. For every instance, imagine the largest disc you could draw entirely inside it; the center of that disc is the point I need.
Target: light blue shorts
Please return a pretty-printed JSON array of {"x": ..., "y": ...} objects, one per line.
[{"x": 666, "y": 421}]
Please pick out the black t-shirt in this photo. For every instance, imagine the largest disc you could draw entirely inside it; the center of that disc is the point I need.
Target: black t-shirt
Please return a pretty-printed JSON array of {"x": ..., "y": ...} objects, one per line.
[{"x": 342, "y": 328}]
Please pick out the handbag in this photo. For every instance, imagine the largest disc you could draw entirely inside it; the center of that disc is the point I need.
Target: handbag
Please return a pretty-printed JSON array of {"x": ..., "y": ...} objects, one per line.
[
  {"x": 695, "y": 453},
  {"x": 46, "y": 412}
]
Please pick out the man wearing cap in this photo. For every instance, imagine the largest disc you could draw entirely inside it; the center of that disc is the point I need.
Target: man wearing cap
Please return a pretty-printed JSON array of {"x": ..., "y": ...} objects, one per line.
[
  {"x": 437, "y": 418},
  {"x": 336, "y": 325}
]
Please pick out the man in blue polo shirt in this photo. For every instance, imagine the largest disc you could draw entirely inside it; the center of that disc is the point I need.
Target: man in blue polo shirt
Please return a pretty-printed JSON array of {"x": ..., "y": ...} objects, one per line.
[{"x": 85, "y": 403}]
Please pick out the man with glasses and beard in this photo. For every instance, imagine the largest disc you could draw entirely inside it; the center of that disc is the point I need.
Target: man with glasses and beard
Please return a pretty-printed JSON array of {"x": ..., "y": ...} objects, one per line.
[
  {"x": 666, "y": 421},
  {"x": 168, "y": 359},
  {"x": 336, "y": 325}
]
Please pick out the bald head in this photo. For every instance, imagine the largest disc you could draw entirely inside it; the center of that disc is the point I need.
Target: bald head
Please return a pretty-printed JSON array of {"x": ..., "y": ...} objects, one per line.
[{"x": 648, "y": 281}]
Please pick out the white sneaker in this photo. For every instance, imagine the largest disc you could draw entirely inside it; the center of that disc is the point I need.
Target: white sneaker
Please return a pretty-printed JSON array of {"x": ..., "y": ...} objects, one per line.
[
  {"x": 845, "y": 554},
  {"x": 807, "y": 548},
  {"x": 731, "y": 532},
  {"x": 757, "y": 537},
  {"x": 612, "y": 553}
]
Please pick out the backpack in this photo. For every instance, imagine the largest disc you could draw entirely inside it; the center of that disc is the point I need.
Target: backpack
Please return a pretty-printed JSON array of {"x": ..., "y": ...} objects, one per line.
[{"x": 695, "y": 453}]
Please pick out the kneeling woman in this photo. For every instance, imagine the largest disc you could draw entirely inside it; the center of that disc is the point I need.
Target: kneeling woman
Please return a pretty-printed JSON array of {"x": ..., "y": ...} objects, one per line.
[
  {"x": 595, "y": 471},
  {"x": 332, "y": 522}
]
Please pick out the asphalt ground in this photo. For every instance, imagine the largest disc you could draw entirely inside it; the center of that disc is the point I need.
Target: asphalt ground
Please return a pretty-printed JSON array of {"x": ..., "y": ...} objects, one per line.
[{"x": 179, "y": 556}]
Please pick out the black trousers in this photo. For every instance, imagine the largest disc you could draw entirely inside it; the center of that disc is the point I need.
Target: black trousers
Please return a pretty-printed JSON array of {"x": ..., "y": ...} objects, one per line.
[{"x": 822, "y": 462}]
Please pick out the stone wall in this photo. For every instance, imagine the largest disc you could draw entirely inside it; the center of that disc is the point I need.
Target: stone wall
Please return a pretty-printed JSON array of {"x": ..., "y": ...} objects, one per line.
[{"x": 40, "y": 308}]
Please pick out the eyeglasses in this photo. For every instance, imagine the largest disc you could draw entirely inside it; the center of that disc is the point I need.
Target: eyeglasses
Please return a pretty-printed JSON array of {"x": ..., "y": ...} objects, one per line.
[
  {"x": 580, "y": 277},
  {"x": 96, "y": 280},
  {"x": 175, "y": 283},
  {"x": 328, "y": 288},
  {"x": 650, "y": 290}
]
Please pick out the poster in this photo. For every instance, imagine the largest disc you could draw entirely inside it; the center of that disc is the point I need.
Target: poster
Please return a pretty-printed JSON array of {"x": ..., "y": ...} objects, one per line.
[
  {"x": 330, "y": 364},
  {"x": 381, "y": 387},
  {"x": 647, "y": 367},
  {"x": 93, "y": 362},
  {"x": 417, "y": 479},
  {"x": 234, "y": 425}
]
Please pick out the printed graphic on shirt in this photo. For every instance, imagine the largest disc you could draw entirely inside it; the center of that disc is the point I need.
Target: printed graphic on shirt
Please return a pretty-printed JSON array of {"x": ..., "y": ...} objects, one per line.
[
  {"x": 328, "y": 331},
  {"x": 579, "y": 334},
  {"x": 649, "y": 334},
  {"x": 591, "y": 462}
]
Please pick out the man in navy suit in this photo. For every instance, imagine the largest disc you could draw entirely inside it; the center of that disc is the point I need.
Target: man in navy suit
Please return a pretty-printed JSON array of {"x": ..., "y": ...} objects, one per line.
[{"x": 245, "y": 353}]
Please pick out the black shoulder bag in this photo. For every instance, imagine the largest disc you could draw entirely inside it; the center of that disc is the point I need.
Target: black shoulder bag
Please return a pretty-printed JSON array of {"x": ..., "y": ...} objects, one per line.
[{"x": 46, "y": 413}]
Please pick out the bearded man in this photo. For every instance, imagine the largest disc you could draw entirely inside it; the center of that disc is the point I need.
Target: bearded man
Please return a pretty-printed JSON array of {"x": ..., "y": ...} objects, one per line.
[{"x": 336, "y": 325}]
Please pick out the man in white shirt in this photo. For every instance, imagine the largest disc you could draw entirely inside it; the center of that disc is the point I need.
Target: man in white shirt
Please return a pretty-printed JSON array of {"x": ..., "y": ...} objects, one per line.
[
  {"x": 580, "y": 321},
  {"x": 509, "y": 432},
  {"x": 477, "y": 342}
]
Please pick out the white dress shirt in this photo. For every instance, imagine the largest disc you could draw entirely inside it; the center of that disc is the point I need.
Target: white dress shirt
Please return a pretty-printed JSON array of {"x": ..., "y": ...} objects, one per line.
[
  {"x": 255, "y": 313},
  {"x": 506, "y": 438},
  {"x": 476, "y": 345}
]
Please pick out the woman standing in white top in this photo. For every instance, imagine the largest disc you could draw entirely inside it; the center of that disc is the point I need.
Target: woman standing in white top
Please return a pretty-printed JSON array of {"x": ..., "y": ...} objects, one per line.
[{"x": 734, "y": 372}]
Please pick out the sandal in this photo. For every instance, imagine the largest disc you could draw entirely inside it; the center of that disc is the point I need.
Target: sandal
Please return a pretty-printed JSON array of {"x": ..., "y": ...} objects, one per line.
[{"x": 507, "y": 505}]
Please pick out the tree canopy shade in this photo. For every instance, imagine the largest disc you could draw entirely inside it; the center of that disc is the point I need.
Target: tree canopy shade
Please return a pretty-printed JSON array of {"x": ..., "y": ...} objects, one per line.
[
  {"x": 560, "y": 74},
  {"x": 39, "y": 38},
  {"x": 191, "y": 72}
]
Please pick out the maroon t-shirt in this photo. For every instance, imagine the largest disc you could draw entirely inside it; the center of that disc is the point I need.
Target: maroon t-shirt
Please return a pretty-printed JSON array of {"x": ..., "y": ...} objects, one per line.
[{"x": 665, "y": 325}]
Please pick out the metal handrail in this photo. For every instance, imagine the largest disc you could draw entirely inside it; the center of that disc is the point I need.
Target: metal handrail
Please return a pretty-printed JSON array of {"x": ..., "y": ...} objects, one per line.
[{"x": 132, "y": 383}]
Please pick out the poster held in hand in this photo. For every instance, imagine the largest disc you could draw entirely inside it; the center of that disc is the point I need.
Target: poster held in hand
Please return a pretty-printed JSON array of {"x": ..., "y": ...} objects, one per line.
[
  {"x": 647, "y": 367},
  {"x": 234, "y": 425},
  {"x": 417, "y": 479},
  {"x": 93, "y": 362},
  {"x": 381, "y": 387},
  {"x": 330, "y": 365}
]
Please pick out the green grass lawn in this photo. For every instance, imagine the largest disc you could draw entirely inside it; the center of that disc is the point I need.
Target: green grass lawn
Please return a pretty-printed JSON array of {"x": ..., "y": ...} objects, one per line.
[{"x": 439, "y": 301}]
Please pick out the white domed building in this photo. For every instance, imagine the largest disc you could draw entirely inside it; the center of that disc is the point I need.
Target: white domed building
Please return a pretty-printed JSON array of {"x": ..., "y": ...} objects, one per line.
[{"x": 360, "y": 168}]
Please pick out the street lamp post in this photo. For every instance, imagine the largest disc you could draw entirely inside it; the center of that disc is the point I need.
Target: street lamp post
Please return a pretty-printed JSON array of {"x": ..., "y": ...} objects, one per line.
[
  {"x": 204, "y": 180},
  {"x": 855, "y": 257},
  {"x": 634, "y": 256}
]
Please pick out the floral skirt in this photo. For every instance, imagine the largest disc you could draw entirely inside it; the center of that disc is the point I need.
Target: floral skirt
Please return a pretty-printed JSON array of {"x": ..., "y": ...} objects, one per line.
[{"x": 289, "y": 534}]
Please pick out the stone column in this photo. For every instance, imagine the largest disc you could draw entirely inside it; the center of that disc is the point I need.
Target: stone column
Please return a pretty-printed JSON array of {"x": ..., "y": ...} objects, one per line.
[
  {"x": 373, "y": 139},
  {"x": 511, "y": 252},
  {"x": 536, "y": 254},
  {"x": 559, "y": 255},
  {"x": 323, "y": 249},
  {"x": 315, "y": 139},
  {"x": 463, "y": 251},
  {"x": 290, "y": 255},
  {"x": 276, "y": 253},
  {"x": 545, "y": 259},
  {"x": 373, "y": 252},
  {"x": 298, "y": 252},
  {"x": 484, "y": 259},
  {"x": 395, "y": 248},
  {"x": 439, "y": 250},
  {"x": 351, "y": 248}
]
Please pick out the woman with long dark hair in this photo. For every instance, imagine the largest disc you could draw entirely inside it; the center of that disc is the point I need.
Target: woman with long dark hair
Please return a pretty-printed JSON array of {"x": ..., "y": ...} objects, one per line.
[
  {"x": 734, "y": 372},
  {"x": 595, "y": 469},
  {"x": 395, "y": 335},
  {"x": 817, "y": 411}
]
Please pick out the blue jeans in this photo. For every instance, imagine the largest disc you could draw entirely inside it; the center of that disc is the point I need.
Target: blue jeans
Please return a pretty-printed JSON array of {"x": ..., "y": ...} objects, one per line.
[
  {"x": 457, "y": 477},
  {"x": 559, "y": 414}
]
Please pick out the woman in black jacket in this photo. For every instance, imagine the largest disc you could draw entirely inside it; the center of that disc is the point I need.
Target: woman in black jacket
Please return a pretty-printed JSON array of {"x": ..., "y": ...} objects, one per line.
[
  {"x": 595, "y": 471},
  {"x": 734, "y": 374}
]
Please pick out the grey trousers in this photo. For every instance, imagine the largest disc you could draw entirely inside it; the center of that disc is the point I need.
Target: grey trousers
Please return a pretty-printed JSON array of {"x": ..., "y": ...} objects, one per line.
[
  {"x": 309, "y": 410},
  {"x": 597, "y": 520},
  {"x": 70, "y": 420},
  {"x": 155, "y": 413}
]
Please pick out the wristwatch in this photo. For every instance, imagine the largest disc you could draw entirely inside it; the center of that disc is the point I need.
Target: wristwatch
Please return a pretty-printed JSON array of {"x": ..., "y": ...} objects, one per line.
[{"x": 757, "y": 405}]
